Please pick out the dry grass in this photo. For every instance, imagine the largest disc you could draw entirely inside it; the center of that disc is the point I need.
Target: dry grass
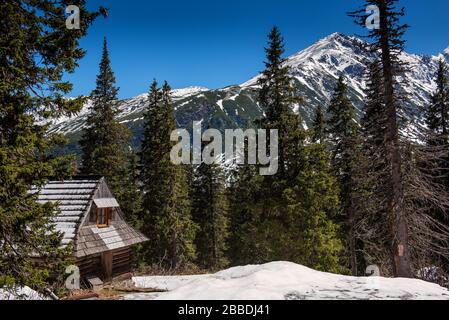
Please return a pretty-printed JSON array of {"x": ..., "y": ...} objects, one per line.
[{"x": 156, "y": 270}]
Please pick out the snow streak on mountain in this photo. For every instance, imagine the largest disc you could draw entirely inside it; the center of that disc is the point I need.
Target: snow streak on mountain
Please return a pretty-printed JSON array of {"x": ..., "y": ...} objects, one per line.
[{"x": 315, "y": 71}]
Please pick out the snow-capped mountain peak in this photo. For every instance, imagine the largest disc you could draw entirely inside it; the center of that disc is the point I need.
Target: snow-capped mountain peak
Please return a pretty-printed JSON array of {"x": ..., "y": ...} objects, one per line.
[
  {"x": 337, "y": 39},
  {"x": 446, "y": 53},
  {"x": 314, "y": 70},
  {"x": 185, "y": 92},
  {"x": 330, "y": 54}
]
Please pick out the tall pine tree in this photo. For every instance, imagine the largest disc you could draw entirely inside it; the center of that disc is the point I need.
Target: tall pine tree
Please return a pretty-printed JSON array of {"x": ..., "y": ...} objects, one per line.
[
  {"x": 389, "y": 44},
  {"x": 345, "y": 145},
  {"x": 373, "y": 121},
  {"x": 210, "y": 213},
  {"x": 105, "y": 143},
  {"x": 277, "y": 96},
  {"x": 437, "y": 114},
  {"x": 437, "y": 120},
  {"x": 345, "y": 148},
  {"x": 293, "y": 208},
  {"x": 166, "y": 210},
  {"x": 408, "y": 195},
  {"x": 371, "y": 226},
  {"x": 312, "y": 209},
  {"x": 437, "y": 117},
  {"x": 36, "y": 49},
  {"x": 244, "y": 187}
]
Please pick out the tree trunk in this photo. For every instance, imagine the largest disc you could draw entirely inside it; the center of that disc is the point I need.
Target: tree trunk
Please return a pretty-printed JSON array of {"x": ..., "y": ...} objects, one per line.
[
  {"x": 353, "y": 251},
  {"x": 395, "y": 209},
  {"x": 175, "y": 260},
  {"x": 107, "y": 265},
  {"x": 352, "y": 241}
]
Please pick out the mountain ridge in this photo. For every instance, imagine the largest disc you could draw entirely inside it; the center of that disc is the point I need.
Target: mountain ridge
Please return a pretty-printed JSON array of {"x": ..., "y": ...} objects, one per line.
[{"x": 314, "y": 70}]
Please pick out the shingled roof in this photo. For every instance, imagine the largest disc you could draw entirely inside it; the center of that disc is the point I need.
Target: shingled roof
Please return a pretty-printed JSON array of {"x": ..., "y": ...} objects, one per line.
[
  {"x": 75, "y": 199},
  {"x": 92, "y": 240}
]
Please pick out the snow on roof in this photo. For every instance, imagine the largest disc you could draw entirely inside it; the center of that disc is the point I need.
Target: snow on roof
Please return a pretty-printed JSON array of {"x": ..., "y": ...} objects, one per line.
[
  {"x": 287, "y": 281},
  {"x": 93, "y": 240},
  {"x": 74, "y": 198},
  {"x": 106, "y": 203}
]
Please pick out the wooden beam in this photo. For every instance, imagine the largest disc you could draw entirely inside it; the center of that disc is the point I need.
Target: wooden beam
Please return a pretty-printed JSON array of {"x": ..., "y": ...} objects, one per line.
[{"x": 106, "y": 263}]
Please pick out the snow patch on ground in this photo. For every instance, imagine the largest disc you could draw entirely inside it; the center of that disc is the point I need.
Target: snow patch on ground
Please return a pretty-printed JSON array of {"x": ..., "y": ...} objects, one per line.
[
  {"x": 165, "y": 283},
  {"x": 20, "y": 294},
  {"x": 285, "y": 281}
]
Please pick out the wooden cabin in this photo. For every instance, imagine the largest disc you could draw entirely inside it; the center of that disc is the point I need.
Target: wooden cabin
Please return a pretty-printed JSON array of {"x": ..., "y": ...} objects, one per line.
[{"x": 91, "y": 220}]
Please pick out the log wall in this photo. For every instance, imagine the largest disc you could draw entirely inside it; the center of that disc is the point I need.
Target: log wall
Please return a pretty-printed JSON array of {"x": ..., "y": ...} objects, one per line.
[{"x": 93, "y": 266}]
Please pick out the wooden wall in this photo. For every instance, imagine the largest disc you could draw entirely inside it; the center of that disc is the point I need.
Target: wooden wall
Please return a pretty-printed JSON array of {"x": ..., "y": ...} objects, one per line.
[
  {"x": 121, "y": 261},
  {"x": 92, "y": 265}
]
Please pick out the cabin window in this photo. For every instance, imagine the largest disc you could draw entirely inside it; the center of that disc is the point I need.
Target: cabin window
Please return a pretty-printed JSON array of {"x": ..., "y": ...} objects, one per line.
[{"x": 103, "y": 217}]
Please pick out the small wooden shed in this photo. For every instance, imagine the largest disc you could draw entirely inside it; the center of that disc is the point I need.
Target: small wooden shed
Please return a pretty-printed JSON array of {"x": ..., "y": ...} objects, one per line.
[{"x": 91, "y": 220}]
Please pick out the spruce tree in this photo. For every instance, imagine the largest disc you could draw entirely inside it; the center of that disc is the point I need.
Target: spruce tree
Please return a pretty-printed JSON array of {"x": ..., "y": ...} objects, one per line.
[
  {"x": 437, "y": 114},
  {"x": 105, "y": 143},
  {"x": 342, "y": 126},
  {"x": 312, "y": 208},
  {"x": 131, "y": 203},
  {"x": 154, "y": 166},
  {"x": 373, "y": 121},
  {"x": 388, "y": 43},
  {"x": 437, "y": 143},
  {"x": 176, "y": 228},
  {"x": 210, "y": 213},
  {"x": 279, "y": 224},
  {"x": 307, "y": 233},
  {"x": 36, "y": 49},
  {"x": 345, "y": 147},
  {"x": 437, "y": 120},
  {"x": 277, "y": 96},
  {"x": 244, "y": 186},
  {"x": 408, "y": 195},
  {"x": 371, "y": 226},
  {"x": 166, "y": 210}
]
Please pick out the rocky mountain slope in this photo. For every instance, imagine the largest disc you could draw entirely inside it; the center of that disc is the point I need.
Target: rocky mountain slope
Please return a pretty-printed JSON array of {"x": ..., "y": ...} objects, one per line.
[{"x": 315, "y": 71}]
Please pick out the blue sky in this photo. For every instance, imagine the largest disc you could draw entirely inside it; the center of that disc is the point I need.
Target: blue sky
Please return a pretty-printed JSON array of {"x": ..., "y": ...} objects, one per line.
[{"x": 217, "y": 43}]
